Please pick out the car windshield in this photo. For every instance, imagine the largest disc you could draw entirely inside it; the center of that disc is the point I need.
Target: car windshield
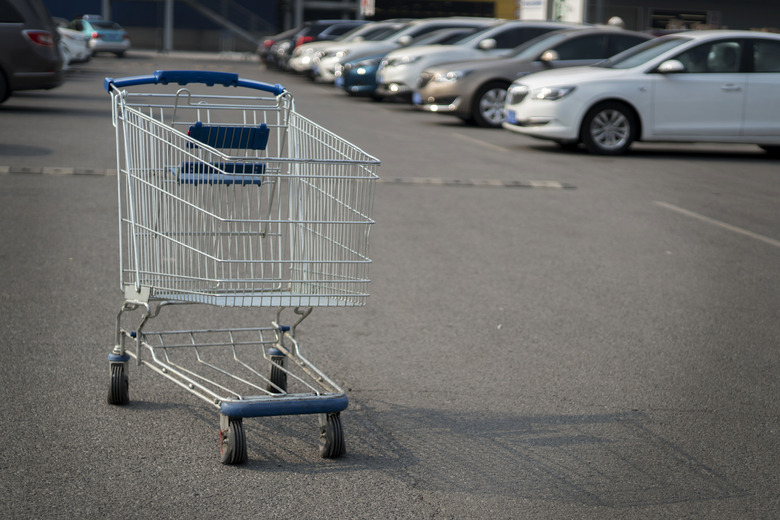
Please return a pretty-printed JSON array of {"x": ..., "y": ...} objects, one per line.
[
  {"x": 395, "y": 31},
  {"x": 474, "y": 38},
  {"x": 533, "y": 48},
  {"x": 380, "y": 33},
  {"x": 443, "y": 36},
  {"x": 644, "y": 52}
]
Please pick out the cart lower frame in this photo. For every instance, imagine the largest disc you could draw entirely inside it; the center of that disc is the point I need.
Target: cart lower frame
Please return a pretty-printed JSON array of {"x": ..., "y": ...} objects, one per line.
[{"x": 269, "y": 358}]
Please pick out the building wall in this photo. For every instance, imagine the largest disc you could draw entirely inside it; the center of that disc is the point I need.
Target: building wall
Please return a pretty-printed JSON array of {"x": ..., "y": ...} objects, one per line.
[{"x": 656, "y": 14}]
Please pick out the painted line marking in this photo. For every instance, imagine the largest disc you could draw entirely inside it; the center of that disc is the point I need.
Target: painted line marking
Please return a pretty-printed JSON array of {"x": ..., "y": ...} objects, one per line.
[
  {"x": 718, "y": 223},
  {"x": 55, "y": 170},
  {"x": 482, "y": 143},
  {"x": 428, "y": 181},
  {"x": 476, "y": 183}
]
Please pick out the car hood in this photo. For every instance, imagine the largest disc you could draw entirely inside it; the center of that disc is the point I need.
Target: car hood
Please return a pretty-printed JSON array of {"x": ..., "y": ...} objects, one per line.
[
  {"x": 363, "y": 48},
  {"x": 573, "y": 75},
  {"x": 364, "y": 57},
  {"x": 316, "y": 46},
  {"x": 479, "y": 64}
]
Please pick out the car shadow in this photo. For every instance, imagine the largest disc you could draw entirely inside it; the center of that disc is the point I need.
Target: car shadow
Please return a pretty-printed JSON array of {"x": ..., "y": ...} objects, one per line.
[{"x": 707, "y": 152}]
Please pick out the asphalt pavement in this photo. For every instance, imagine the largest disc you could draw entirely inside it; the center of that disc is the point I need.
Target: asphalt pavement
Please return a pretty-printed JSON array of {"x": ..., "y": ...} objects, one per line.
[{"x": 549, "y": 334}]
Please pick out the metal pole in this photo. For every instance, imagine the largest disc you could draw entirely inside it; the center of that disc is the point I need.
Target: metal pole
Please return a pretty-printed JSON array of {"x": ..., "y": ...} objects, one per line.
[
  {"x": 168, "y": 27},
  {"x": 105, "y": 9},
  {"x": 600, "y": 12},
  {"x": 298, "y": 13}
]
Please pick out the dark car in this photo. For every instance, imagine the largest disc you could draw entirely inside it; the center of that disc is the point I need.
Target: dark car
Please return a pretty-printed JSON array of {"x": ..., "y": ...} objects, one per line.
[
  {"x": 29, "y": 48},
  {"x": 475, "y": 90},
  {"x": 268, "y": 49}
]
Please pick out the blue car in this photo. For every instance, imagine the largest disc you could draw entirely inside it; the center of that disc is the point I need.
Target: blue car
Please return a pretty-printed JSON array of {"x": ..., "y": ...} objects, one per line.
[
  {"x": 104, "y": 35},
  {"x": 358, "y": 76}
]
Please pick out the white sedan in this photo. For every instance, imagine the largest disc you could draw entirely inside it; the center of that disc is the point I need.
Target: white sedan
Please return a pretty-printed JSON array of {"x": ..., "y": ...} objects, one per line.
[{"x": 702, "y": 86}]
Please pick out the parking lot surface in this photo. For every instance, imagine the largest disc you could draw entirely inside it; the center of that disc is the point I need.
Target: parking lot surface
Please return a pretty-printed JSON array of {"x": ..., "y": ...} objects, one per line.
[{"x": 549, "y": 334}]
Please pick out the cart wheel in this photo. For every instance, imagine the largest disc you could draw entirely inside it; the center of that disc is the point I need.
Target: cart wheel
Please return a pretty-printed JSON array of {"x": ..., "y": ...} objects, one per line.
[
  {"x": 277, "y": 376},
  {"x": 331, "y": 441},
  {"x": 119, "y": 390},
  {"x": 232, "y": 442}
]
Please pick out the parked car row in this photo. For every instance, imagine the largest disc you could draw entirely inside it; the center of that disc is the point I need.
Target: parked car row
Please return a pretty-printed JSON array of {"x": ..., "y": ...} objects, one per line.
[{"x": 600, "y": 86}]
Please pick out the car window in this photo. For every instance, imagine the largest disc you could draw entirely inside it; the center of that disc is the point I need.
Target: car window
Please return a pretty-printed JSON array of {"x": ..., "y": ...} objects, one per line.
[
  {"x": 514, "y": 36},
  {"x": 590, "y": 47},
  {"x": 621, "y": 42},
  {"x": 712, "y": 57},
  {"x": 766, "y": 56},
  {"x": 340, "y": 29}
]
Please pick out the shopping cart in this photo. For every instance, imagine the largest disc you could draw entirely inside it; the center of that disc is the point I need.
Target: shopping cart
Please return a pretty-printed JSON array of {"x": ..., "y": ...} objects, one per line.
[{"x": 235, "y": 201}]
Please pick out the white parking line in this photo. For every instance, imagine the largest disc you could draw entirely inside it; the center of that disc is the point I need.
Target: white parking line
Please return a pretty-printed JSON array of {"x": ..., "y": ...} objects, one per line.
[
  {"x": 718, "y": 223},
  {"x": 476, "y": 183},
  {"x": 482, "y": 143}
]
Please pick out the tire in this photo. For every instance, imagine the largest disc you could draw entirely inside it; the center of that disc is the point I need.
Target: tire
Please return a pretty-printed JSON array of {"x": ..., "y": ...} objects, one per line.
[
  {"x": 232, "y": 442},
  {"x": 771, "y": 150},
  {"x": 4, "y": 90},
  {"x": 331, "y": 442},
  {"x": 119, "y": 389},
  {"x": 277, "y": 376},
  {"x": 609, "y": 129},
  {"x": 488, "y": 106}
]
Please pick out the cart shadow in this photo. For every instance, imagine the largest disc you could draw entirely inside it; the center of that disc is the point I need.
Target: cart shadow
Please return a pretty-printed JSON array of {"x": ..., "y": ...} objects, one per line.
[{"x": 605, "y": 460}]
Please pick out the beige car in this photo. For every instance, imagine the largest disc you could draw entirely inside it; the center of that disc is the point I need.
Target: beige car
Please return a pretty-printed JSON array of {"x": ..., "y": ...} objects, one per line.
[{"x": 475, "y": 90}]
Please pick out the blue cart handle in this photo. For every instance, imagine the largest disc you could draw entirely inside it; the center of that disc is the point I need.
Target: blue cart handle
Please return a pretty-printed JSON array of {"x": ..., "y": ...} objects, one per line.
[{"x": 183, "y": 77}]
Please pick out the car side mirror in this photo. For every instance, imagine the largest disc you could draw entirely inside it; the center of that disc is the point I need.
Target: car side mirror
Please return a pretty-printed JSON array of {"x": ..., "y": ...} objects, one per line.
[
  {"x": 549, "y": 56},
  {"x": 487, "y": 44},
  {"x": 671, "y": 67},
  {"x": 405, "y": 40}
]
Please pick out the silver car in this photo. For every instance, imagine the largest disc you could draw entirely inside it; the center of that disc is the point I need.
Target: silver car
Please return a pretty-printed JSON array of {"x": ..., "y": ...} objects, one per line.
[{"x": 475, "y": 90}]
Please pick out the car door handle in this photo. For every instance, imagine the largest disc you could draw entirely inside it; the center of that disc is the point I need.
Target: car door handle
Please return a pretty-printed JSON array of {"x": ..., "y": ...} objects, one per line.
[{"x": 730, "y": 87}]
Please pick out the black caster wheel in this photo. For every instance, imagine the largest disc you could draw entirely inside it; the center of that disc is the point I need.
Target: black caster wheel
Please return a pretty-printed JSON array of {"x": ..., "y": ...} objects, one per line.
[
  {"x": 232, "y": 442},
  {"x": 119, "y": 390},
  {"x": 278, "y": 376},
  {"x": 331, "y": 441}
]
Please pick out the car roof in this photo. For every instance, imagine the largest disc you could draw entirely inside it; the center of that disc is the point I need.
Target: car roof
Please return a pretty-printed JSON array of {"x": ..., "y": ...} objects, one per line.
[
  {"x": 566, "y": 33},
  {"x": 719, "y": 33}
]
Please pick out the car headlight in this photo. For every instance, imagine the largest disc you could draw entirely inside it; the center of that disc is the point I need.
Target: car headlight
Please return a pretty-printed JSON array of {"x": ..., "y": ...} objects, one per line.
[
  {"x": 450, "y": 76},
  {"x": 550, "y": 93}
]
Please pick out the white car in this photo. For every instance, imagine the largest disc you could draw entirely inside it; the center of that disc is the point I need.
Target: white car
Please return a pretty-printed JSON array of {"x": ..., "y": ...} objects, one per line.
[
  {"x": 399, "y": 70},
  {"x": 329, "y": 59},
  {"x": 73, "y": 45},
  {"x": 710, "y": 86}
]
